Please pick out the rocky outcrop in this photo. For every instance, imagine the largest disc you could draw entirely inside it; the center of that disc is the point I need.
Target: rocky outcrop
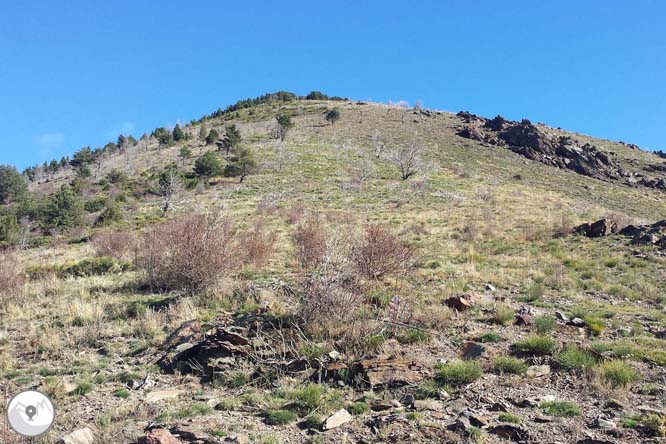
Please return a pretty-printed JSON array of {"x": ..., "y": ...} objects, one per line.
[
  {"x": 600, "y": 228},
  {"x": 530, "y": 141},
  {"x": 654, "y": 234}
]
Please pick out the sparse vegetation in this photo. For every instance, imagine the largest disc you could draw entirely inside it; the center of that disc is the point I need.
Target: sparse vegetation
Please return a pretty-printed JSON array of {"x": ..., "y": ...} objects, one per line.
[
  {"x": 459, "y": 373},
  {"x": 538, "y": 345},
  {"x": 560, "y": 408}
]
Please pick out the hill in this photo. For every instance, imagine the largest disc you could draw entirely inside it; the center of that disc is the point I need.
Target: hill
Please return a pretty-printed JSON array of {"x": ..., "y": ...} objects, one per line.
[{"x": 452, "y": 305}]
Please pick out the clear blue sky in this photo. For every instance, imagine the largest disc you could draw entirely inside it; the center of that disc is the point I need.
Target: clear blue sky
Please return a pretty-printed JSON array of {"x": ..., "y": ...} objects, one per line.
[{"x": 78, "y": 73}]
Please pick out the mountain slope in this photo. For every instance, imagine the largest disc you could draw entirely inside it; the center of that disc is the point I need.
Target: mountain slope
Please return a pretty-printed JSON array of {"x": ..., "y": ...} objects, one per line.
[{"x": 486, "y": 221}]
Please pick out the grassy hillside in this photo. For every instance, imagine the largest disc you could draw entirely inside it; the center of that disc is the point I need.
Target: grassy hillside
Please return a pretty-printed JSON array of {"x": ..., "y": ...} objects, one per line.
[{"x": 481, "y": 222}]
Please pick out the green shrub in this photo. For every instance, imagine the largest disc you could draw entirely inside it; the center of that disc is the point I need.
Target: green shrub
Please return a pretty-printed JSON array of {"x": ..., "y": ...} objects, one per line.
[
  {"x": 110, "y": 214},
  {"x": 509, "y": 417},
  {"x": 544, "y": 324},
  {"x": 560, "y": 408},
  {"x": 414, "y": 336},
  {"x": 95, "y": 204},
  {"x": 509, "y": 364},
  {"x": 534, "y": 293},
  {"x": 313, "y": 421},
  {"x": 208, "y": 165},
  {"x": 358, "y": 408},
  {"x": 618, "y": 373},
  {"x": 310, "y": 396},
  {"x": 63, "y": 209},
  {"x": 575, "y": 358},
  {"x": 618, "y": 349},
  {"x": 538, "y": 345},
  {"x": 13, "y": 185},
  {"x": 428, "y": 388},
  {"x": 457, "y": 373},
  {"x": 655, "y": 424},
  {"x": 491, "y": 337},
  {"x": 121, "y": 393},
  {"x": 280, "y": 417},
  {"x": 504, "y": 315}
]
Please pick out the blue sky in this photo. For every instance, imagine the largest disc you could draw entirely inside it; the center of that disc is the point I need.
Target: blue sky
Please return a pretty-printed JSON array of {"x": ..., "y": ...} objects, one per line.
[{"x": 79, "y": 72}]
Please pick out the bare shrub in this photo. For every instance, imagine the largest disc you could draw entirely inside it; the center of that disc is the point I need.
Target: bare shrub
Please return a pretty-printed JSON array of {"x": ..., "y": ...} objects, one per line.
[
  {"x": 12, "y": 276},
  {"x": 408, "y": 160},
  {"x": 294, "y": 214},
  {"x": 380, "y": 252},
  {"x": 190, "y": 253},
  {"x": 270, "y": 203},
  {"x": 563, "y": 227},
  {"x": 332, "y": 301},
  {"x": 310, "y": 242},
  {"x": 258, "y": 244},
  {"x": 116, "y": 244}
]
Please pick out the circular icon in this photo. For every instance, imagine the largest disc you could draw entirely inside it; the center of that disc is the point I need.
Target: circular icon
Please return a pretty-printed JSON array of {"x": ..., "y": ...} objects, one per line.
[{"x": 30, "y": 413}]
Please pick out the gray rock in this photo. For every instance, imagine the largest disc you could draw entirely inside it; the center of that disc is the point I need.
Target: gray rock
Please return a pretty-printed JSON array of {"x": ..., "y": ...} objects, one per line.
[
  {"x": 472, "y": 350},
  {"x": 536, "y": 371},
  {"x": 80, "y": 436},
  {"x": 337, "y": 419}
]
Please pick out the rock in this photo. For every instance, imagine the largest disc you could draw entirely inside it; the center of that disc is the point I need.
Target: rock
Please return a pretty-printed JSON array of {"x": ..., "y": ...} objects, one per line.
[
  {"x": 159, "y": 436},
  {"x": 334, "y": 355},
  {"x": 614, "y": 404},
  {"x": 605, "y": 423},
  {"x": 238, "y": 439},
  {"x": 600, "y": 228},
  {"x": 509, "y": 431},
  {"x": 461, "y": 425},
  {"x": 578, "y": 322},
  {"x": 490, "y": 288},
  {"x": 337, "y": 419},
  {"x": 388, "y": 372},
  {"x": 479, "y": 421},
  {"x": 593, "y": 441},
  {"x": 408, "y": 400},
  {"x": 561, "y": 316},
  {"x": 80, "y": 436},
  {"x": 536, "y": 371},
  {"x": 162, "y": 395},
  {"x": 472, "y": 350},
  {"x": 385, "y": 404},
  {"x": 429, "y": 404},
  {"x": 525, "y": 402},
  {"x": 458, "y": 303},
  {"x": 524, "y": 320}
]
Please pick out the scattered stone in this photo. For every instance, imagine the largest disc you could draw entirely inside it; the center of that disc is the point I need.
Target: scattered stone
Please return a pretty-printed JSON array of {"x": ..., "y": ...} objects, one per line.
[
  {"x": 385, "y": 404},
  {"x": 524, "y": 320},
  {"x": 429, "y": 404},
  {"x": 162, "y": 395},
  {"x": 542, "y": 419},
  {"x": 491, "y": 288},
  {"x": 536, "y": 371},
  {"x": 561, "y": 316},
  {"x": 509, "y": 431},
  {"x": 472, "y": 350},
  {"x": 593, "y": 441},
  {"x": 577, "y": 322},
  {"x": 479, "y": 421},
  {"x": 459, "y": 303},
  {"x": 334, "y": 355},
  {"x": 80, "y": 436},
  {"x": 337, "y": 419},
  {"x": 614, "y": 404},
  {"x": 461, "y": 425},
  {"x": 159, "y": 436},
  {"x": 388, "y": 372},
  {"x": 600, "y": 228},
  {"x": 238, "y": 439},
  {"x": 605, "y": 423}
]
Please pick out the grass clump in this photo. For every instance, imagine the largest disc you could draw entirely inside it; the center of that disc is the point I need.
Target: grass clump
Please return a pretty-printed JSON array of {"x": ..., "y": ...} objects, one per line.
[
  {"x": 428, "y": 388},
  {"x": 575, "y": 358},
  {"x": 544, "y": 324},
  {"x": 655, "y": 424},
  {"x": 536, "y": 344},
  {"x": 459, "y": 373},
  {"x": 618, "y": 373},
  {"x": 509, "y": 417},
  {"x": 560, "y": 408},
  {"x": 509, "y": 364},
  {"x": 121, "y": 393},
  {"x": 490, "y": 338},
  {"x": 358, "y": 408},
  {"x": 280, "y": 417},
  {"x": 504, "y": 315}
]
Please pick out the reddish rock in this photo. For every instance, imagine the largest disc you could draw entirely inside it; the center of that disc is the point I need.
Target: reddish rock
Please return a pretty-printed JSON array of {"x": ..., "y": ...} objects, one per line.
[
  {"x": 459, "y": 303},
  {"x": 159, "y": 436}
]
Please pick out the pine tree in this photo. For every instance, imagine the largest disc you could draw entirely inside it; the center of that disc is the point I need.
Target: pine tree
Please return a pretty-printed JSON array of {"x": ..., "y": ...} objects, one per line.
[
  {"x": 178, "y": 133},
  {"x": 241, "y": 164},
  {"x": 203, "y": 131},
  {"x": 212, "y": 137},
  {"x": 232, "y": 138}
]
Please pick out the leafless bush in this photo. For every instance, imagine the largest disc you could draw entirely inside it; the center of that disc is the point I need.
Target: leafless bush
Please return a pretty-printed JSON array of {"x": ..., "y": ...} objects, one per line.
[
  {"x": 258, "y": 244},
  {"x": 269, "y": 203},
  {"x": 310, "y": 240},
  {"x": 380, "y": 252},
  {"x": 332, "y": 300},
  {"x": 563, "y": 227},
  {"x": 190, "y": 253},
  {"x": 408, "y": 160},
  {"x": 12, "y": 276},
  {"x": 117, "y": 244},
  {"x": 294, "y": 214}
]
